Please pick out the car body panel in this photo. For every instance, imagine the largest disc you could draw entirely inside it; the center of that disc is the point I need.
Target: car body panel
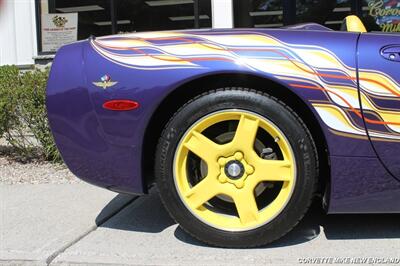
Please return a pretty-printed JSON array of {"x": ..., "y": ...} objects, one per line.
[
  {"x": 381, "y": 101},
  {"x": 362, "y": 185},
  {"x": 75, "y": 126},
  {"x": 318, "y": 66}
]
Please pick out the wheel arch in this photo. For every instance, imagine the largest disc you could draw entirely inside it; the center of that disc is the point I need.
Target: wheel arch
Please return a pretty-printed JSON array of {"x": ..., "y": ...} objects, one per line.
[{"x": 186, "y": 91}]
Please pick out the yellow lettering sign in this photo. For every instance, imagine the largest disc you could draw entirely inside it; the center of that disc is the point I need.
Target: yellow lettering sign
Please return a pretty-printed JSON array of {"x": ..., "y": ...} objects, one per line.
[{"x": 377, "y": 9}]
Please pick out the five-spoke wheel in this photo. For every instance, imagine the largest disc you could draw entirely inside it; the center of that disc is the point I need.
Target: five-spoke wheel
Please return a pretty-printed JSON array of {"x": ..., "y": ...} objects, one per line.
[{"x": 236, "y": 168}]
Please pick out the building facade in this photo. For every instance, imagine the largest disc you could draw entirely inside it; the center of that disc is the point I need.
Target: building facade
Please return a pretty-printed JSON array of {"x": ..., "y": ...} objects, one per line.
[{"x": 32, "y": 30}]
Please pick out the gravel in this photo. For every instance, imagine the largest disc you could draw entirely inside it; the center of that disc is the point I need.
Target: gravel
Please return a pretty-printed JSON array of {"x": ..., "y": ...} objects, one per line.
[{"x": 15, "y": 171}]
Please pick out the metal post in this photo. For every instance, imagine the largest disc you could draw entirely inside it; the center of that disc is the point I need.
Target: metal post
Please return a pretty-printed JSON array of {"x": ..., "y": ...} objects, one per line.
[
  {"x": 196, "y": 14},
  {"x": 38, "y": 15},
  {"x": 289, "y": 12},
  {"x": 113, "y": 11},
  {"x": 52, "y": 6},
  {"x": 242, "y": 14}
]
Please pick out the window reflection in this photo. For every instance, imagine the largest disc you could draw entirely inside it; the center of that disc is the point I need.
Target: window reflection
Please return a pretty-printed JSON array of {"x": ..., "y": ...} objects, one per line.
[
  {"x": 161, "y": 15},
  {"x": 381, "y": 15},
  {"x": 93, "y": 16},
  {"x": 105, "y": 17},
  {"x": 329, "y": 13},
  {"x": 258, "y": 13}
]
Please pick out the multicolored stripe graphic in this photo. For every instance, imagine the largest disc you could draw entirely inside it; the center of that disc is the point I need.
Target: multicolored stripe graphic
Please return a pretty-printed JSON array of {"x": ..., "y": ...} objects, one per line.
[{"x": 303, "y": 67}]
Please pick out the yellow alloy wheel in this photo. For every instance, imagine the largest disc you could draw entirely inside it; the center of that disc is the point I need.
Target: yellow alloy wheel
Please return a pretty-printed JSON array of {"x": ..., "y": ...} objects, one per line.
[{"x": 234, "y": 171}]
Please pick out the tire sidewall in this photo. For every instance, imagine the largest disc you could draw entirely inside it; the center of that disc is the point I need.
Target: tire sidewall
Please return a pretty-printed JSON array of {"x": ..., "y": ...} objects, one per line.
[{"x": 276, "y": 112}]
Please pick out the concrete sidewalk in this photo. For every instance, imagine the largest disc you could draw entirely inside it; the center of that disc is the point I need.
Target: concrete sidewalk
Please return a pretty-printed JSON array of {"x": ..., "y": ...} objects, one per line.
[
  {"x": 81, "y": 225},
  {"x": 38, "y": 222}
]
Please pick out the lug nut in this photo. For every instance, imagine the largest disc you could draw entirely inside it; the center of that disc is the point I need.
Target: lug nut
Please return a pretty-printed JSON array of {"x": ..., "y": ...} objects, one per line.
[
  {"x": 249, "y": 169},
  {"x": 221, "y": 161},
  {"x": 222, "y": 178},
  {"x": 238, "y": 156},
  {"x": 239, "y": 184}
]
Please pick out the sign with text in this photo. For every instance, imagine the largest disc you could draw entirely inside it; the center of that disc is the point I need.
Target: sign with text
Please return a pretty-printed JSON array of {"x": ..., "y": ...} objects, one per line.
[
  {"x": 386, "y": 14},
  {"x": 58, "y": 29}
]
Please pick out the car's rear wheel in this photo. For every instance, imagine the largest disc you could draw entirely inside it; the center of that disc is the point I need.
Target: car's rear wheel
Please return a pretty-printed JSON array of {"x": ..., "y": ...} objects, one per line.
[{"x": 236, "y": 168}]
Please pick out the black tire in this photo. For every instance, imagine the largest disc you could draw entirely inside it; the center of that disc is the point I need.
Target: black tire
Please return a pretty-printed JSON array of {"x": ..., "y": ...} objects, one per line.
[{"x": 274, "y": 110}]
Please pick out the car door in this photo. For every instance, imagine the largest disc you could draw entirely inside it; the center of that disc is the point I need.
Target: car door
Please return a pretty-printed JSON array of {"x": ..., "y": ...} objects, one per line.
[{"x": 379, "y": 83}]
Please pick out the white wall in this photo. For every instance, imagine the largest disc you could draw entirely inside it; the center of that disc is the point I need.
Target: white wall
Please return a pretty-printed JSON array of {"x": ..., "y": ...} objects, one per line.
[
  {"x": 18, "y": 43},
  {"x": 222, "y": 13}
]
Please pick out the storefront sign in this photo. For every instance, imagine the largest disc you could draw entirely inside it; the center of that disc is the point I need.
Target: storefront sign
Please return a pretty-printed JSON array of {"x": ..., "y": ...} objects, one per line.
[
  {"x": 58, "y": 29},
  {"x": 386, "y": 14}
]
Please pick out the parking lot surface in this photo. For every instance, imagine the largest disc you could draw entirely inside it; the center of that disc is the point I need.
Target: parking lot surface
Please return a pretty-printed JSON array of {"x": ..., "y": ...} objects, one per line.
[{"x": 81, "y": 225}]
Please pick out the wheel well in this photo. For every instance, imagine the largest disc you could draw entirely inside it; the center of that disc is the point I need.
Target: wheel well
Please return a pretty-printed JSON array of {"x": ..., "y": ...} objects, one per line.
[{"x": 187, "y": 91}]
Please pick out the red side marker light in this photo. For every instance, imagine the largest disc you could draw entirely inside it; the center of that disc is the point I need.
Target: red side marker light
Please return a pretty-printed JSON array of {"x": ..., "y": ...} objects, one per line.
[{"x": 121, "y": 105}]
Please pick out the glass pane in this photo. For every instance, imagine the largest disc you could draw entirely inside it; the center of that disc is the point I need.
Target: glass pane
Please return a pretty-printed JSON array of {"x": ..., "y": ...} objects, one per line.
[
  {"x": 258, "y": 13},
  {"x": 205, "y": 13},
  {"x": 93, "y": 15},
  {"x": 329, "y": 13},
  {"x": 160, "y": 15},
  {"x": 381, "y": 15}
]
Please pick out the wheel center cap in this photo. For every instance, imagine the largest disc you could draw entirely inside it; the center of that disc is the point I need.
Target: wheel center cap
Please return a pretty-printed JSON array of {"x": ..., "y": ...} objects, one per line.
[{"x": 234, "y": 169}]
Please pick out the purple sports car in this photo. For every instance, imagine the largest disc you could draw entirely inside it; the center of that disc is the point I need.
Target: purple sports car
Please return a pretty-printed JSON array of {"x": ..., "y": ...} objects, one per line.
[{"x": 240, "y": 129}]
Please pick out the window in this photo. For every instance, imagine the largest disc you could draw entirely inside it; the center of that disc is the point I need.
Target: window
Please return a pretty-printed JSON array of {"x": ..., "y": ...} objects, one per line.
[
  {"x": 162, "y": 15},
  {"x": 276, "y": 13},
  {"x": 329, "y": 13},
  {"x": 258, "y": 13},
  {"x": 105, "y": 17},
  {"x": 381, "y": 15},
  {"x": 377, "y": 15}
]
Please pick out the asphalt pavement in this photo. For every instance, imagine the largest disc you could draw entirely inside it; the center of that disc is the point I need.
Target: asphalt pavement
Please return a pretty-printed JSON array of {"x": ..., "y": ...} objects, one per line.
[{"x": 79, "y": 224}]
